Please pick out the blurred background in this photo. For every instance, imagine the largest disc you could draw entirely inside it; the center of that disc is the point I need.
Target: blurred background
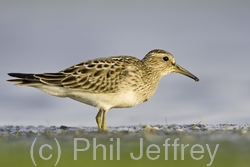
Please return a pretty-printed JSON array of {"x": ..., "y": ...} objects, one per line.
[{"x": 211, "y": 39}]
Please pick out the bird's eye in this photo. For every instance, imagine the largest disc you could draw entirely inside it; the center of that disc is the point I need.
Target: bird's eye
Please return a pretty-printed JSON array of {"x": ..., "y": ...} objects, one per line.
[{"x": 165, "y": 58}]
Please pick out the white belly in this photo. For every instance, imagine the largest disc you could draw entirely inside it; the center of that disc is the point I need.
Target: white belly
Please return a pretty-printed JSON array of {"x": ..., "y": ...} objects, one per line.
[{"x": 107, "y": 101}]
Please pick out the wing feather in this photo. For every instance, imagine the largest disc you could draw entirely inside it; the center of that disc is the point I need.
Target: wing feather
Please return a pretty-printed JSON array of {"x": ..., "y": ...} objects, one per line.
[{"x": 98, "y": 75}]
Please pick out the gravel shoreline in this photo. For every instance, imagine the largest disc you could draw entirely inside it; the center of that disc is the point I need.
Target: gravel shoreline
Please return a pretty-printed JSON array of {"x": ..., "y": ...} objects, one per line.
[{"x": 241, "y": 128}]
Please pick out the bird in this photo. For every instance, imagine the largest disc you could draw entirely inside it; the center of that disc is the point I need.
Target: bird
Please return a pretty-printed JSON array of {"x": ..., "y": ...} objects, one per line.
[{"x": 107, "y": 82}]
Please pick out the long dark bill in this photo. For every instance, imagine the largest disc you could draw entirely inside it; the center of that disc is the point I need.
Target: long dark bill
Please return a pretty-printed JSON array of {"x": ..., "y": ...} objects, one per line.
[{"x": 181, "y": 70}]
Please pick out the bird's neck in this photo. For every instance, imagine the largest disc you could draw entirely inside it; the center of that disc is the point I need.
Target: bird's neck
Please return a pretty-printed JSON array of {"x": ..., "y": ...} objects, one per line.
[{"x": 151, "y": 81}]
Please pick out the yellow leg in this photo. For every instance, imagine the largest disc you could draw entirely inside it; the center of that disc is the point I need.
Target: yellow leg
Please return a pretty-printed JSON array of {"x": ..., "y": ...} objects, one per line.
[
  {"x": 104, "y": 126},
  {"x": 98, "y": 119}
]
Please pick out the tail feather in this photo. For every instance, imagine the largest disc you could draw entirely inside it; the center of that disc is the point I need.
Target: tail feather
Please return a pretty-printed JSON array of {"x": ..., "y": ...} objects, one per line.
[
  {"x": 28, "y": 79},
  {"x": 51, "y": 76},
  {"x": 22, "y": 76}
]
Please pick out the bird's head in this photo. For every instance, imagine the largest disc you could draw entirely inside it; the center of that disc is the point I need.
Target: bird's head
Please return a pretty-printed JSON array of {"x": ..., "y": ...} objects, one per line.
[{"x": 163, "y": 63}]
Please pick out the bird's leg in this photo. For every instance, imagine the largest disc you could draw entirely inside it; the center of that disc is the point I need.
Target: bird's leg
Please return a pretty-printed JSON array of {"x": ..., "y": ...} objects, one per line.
[
  {"x": 98, "y": 119},
  {"x": 104, "y": 126}
]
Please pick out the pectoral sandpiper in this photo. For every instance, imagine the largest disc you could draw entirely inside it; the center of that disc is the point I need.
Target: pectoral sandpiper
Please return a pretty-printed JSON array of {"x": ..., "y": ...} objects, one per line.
[{"x": 105, "y": 83}]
